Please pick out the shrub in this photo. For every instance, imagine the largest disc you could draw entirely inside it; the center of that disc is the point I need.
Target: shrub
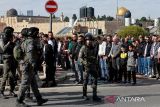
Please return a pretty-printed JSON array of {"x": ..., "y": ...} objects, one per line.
[{"x": 134, "y": 31}]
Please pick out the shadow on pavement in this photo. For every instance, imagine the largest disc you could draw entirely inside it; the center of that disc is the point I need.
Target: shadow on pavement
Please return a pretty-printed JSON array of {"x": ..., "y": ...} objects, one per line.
[{"x": 70, "y": 98}]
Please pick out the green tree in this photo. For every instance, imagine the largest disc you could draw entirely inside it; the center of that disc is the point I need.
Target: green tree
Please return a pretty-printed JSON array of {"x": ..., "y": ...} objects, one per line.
[
  {"x": 132, "y": 30},
  {"x": 66, "y": 19},
  {"x": 74, "y": 17},
  {"x": 110, "y": 18},
  {"x": 144, "y": 19},
  {"x": 103, "y": 17}
]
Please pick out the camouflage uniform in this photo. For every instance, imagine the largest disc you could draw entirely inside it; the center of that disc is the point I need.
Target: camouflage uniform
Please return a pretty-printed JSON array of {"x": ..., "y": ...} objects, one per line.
[
  {"x": 29, "y": 47},
  {"x": 88, "y": 57},
  {"x": 9, "y": 67},
  {"x": 9, "y": 61}
]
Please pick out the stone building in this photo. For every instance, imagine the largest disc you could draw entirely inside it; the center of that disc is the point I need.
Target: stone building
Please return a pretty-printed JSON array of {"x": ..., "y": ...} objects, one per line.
[{"x": 42, "y": 22}]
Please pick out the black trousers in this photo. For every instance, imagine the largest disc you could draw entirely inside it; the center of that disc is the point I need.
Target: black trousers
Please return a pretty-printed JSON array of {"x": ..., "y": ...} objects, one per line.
[
  {"x": 122, "y": 73},
  {"x": 154, "y": 65},
  {"x": 94, "y": 74},
  {"x": 50, "y": 72},
  {"x": 133, "y": 75},
  {"x": 115, "y": 69},
  {"x": 157, "y": 67}
]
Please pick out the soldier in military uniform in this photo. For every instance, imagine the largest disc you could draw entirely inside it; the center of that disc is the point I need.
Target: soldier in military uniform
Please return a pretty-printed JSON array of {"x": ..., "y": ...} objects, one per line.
[
  {"x": 9, "y": 61},
  {"x": 88, "y": 57},
  {"x": 22, "y": 38},
  {"x": 29, "y": 47}
]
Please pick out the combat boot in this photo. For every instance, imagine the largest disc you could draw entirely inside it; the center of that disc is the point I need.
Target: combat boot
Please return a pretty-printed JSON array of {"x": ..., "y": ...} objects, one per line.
[
  {"x": 21, "y": 104},
  {"x": 41, "y": 101},
  {"x": 95, "y": 97},
  {"x": 85, "y": 94}
]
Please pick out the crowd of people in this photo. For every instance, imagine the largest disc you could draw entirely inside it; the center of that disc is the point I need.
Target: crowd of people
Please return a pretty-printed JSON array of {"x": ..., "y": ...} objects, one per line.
[
  {"x": 105, "y": 58},
  {"x": 119, "y": 59}
]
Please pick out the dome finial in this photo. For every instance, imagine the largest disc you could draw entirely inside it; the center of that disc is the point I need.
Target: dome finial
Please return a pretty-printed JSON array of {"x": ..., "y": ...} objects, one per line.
[
  {"x": 121, "y": 11},
  {"x": 12, "y": 13}
]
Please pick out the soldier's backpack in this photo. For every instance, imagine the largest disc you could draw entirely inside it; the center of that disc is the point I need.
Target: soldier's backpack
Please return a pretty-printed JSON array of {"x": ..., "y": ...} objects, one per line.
[{"x": 18, "y": 53}]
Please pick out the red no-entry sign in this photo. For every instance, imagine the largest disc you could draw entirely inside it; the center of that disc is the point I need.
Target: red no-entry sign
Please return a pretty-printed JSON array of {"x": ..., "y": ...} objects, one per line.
[{"x": 51, "y": 6}]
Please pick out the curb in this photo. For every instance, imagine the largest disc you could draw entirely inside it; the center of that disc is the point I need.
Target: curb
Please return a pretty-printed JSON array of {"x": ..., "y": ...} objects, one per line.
[
  {"x": 60, "y": 79},
  {"x": 143, "y": 77}
]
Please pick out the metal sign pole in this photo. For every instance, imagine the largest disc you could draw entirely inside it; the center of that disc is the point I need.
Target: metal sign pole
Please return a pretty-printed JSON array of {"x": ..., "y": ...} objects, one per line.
[{"x": 51, "y": 22}]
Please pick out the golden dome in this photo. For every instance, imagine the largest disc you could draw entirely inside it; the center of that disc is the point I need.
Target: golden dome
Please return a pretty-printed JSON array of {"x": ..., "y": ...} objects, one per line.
[{"x": 121, "y": 11}]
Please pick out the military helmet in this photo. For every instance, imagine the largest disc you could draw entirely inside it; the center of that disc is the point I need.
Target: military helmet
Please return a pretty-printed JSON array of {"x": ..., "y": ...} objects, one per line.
[
  {"x": 24, "y": 32},
  {"x": 33, "y": 31},
  {"x": 8, "y": 31},
  {"x": 88, "y": 36}
]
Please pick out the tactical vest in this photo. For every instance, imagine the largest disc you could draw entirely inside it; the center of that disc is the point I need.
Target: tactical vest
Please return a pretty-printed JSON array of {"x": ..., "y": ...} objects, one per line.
[
  {"x": 30, "y": 50},
  {"x": 90, "y": 55}
]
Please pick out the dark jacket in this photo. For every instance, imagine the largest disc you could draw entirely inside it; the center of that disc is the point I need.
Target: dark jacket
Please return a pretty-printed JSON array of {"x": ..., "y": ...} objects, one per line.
[
  {"x": 140, "y": 49},
  {"x": 108, "y": 48},
  {"x": 148, "y": 49},
  {"x": 54, "y": 46},
  {"x": 8, "y": 47},
  {"x": 123, "y": 60},
  {"x": 48, "y": 53},
  {"x": 78, "y": 47},
  {"x": 125, "y": 45},
  {"x": 74, "y": 44}
]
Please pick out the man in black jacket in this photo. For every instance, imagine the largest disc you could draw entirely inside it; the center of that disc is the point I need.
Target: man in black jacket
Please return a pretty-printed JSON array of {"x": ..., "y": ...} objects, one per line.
[
  {"x": 52, "y": 41},
  {"x": 140, "y": 52},
  {"x": 108, "y": 49},
  {"x": 48, "y": 60}
]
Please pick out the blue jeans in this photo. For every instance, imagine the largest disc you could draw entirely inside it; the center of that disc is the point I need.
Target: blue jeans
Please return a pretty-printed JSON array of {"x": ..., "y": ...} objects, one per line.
[
  {"x": 141, "y": 65},
  {"x": 79, "y": 70},
  {"x": 147, "y": 65},
  {"x": 74, "y": 64},
  {"x": 104, "y": 67}
]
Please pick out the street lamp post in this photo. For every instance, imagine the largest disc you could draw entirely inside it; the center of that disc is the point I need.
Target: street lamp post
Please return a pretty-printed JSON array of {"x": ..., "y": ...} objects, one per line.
[
  {"x": 117, "y": 6},
  {"x": 117, "y": 15}
]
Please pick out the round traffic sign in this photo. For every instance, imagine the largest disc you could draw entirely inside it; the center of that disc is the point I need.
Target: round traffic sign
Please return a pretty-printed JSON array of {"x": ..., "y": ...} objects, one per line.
[{"x": 51, "y": 6}]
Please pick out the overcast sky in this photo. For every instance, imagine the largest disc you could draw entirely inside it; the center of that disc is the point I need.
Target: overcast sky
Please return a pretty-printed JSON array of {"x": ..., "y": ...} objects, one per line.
[{"x": 138, "y": 8}]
